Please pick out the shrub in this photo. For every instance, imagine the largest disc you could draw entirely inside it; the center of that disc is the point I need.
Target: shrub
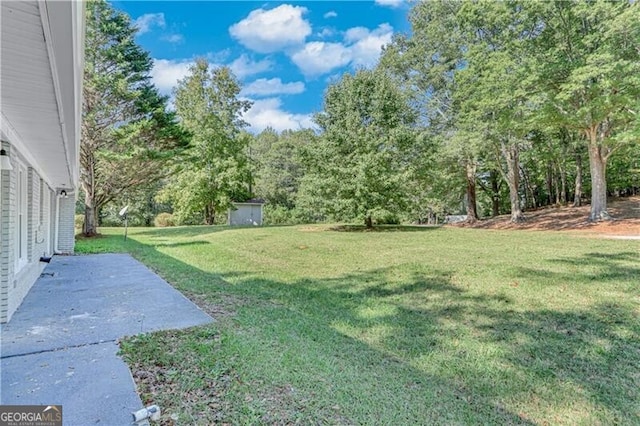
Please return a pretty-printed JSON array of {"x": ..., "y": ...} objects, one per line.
[
  {"x": 164, "y": 220},
  {"x": 79, "y": 221},
  {"x": 111, "y": 222},
  {"x": 279, "y": 215},
  {"x": 384, "y": 217},
  {"x": 276, "y": 215}
]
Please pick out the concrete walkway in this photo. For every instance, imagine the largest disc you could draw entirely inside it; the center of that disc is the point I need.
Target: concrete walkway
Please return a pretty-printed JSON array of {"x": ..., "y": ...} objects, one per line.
[{"x": 60, "y": 347}]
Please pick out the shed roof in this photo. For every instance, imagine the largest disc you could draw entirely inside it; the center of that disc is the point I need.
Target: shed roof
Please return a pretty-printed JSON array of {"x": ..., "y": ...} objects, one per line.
[{"x": 251, "y": 201}]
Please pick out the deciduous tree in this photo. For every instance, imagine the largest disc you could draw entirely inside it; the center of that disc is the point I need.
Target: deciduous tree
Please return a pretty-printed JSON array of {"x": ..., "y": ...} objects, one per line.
[
  {"x": 216, "y": 170},
  {"x": 590, "y": 52},
  {"x": 358, "y": 166}
]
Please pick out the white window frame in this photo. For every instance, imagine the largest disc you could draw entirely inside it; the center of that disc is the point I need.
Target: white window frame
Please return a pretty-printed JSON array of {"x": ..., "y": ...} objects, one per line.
[{"x": 22, "y": 195}]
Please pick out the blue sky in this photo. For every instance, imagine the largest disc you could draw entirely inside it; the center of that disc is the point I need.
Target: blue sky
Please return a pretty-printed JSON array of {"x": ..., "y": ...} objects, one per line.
[{"x": 284, "y": 53}]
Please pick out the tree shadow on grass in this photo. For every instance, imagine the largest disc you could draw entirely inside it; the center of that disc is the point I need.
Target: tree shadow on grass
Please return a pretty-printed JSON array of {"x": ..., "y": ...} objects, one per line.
[
  {"x": 183, "y": 244},
  {"x": 423, "y": 349},
  {"x": 582, "y": 357},
  {"x": 383, "y": 228},
  {"x": 588, "y": 269},
  {"x": 181, "y": 231}
]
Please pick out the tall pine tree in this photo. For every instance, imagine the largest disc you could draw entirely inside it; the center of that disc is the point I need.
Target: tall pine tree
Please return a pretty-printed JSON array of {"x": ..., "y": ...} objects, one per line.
[{"x": 127, "y": 134}]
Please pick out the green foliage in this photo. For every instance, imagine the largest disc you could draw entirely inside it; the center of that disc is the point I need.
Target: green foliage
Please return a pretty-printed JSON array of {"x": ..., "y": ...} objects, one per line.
[
  {"x": 384, "y": 217},
  {"x": 590, "y": 76},
  {"x": 518, "y": 88},
  {"x": 128, "y": 136},
  {"x": 164, "y": 220},
  {"x": 359, "y": 165},
  {"x": 109, "y": 217},
  {"x": 78, "y": 221},
  {"x": 592, "y": 65},
  {"x": 280, "y": 215},
  {"x": 216, "y": 170},
  {"x": 509, "y": 99},
  {"x": 278, "y": 165}
]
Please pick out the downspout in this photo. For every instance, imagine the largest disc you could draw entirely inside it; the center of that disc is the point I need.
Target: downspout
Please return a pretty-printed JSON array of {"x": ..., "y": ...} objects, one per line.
[{"x": 57, "y": 225}]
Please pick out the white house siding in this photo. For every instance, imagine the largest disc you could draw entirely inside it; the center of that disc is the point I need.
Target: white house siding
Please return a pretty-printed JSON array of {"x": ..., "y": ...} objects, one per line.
[
  {"x": 41, "y": 45},
  {"x": 17, "y": 278},
  {"x": 53, "y": 225},
  {"x": 66, "y": 224},
  {"x": 7, "y": 222}
]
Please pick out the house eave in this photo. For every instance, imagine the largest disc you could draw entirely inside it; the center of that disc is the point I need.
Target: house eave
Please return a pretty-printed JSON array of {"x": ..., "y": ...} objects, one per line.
[{"x": 42, "y": 104}]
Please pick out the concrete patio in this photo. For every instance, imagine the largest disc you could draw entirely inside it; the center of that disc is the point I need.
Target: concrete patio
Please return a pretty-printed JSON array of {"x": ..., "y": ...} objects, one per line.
[{"x": 61, "y": 345}]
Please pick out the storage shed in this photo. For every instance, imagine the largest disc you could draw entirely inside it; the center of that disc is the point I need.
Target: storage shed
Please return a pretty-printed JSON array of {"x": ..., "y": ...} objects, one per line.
[{"x": 246, "y": 213}]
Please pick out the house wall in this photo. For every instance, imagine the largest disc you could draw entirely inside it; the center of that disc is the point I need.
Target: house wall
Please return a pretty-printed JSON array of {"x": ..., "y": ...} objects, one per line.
[
  {"x": 7, "y": 232},
  {"x": 66, "y": 224},
  {"x": 40, "y": 130},
  {"x": 17, "y": 278}
]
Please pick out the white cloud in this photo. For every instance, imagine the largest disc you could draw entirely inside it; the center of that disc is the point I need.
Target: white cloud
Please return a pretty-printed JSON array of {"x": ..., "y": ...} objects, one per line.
[
  {"x": 389, "y": 3},
  {"x": 173, "y": 38},
  {"x": 147, "y": 21},
  {"x": 166, "y": 73},
  {"x": 269, "y": 113},
  {"x": 274, "y": 86},
  {"x": 361, "y": 47},
  {"x": 219, "y": 57},
  {"x": 330, "y": 14},
  {"x": 245, "y": 66},
  {"x": 326, "y": 32},
  {"x": 317, "y": 57},
  {"x": 368, "y": 45},
  {"x": 355, "y": 34},
  {"x": 268, "y": 31}
]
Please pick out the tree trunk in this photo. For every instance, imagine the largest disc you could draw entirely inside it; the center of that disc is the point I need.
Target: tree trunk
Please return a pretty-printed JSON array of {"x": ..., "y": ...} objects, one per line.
[
  {"x": 563, "y": 185},
  {"x": 511, "y": 154},
  {"x": 151, "y": 206},
  {"x": 598, "y": 166},
  {"x": 495, "y": 193},
  {"x": 472, "y": 210},
  {"x": 368, "y": 222},
  {"x": 549, "y": 185},
  {"x": 556, "y": 187},
  {"x": 90, "y": 225},
  {"x": 432, "y": 219},
  {"x": 528, "y": 188},
  {"x": 88, "y": 183},
  {"x": 577, "y": 196},
  {"x": 209, "y": 214}
]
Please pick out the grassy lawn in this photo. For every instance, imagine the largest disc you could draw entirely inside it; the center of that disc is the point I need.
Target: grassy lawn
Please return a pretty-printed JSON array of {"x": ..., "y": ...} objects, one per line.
[{"x": 411, "y": 326}]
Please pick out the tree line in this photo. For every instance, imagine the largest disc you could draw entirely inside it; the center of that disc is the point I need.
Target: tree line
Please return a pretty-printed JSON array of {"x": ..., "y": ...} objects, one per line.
[{"x": 485, "y": 108}]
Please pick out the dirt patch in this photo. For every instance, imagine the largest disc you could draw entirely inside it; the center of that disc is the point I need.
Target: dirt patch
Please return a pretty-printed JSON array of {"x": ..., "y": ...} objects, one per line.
[{"x": 625, "y": 223}]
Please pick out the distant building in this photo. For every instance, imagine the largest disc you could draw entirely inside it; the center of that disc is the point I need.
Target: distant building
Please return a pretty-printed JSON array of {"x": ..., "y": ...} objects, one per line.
[
  {"x": 246, "y": 213},
  {"x": 42, "y": 50}
]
